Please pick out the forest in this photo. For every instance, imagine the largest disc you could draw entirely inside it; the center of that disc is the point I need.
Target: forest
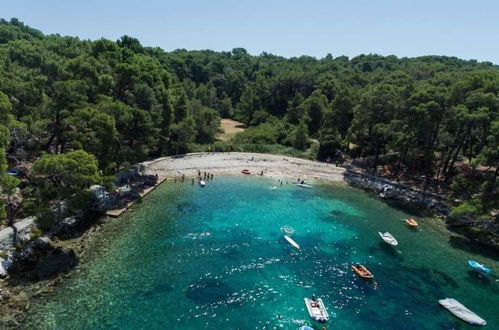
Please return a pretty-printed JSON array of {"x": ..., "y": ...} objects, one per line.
[{"x": 74, "y": 112}]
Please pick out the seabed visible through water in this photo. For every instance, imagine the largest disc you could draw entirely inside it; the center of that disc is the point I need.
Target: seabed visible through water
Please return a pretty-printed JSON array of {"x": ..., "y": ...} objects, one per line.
[{"x": 215, "y": 258}]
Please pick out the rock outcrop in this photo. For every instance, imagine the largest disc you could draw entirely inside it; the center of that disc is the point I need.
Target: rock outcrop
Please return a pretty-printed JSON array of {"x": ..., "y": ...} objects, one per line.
[
  {"x": 402, "y": 193},
  {"x": 59, "y": 260},
  {"x": 41, "y": 260}
]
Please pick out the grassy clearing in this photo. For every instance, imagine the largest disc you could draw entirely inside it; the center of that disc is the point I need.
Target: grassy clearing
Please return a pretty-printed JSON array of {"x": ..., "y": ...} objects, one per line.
[{"x": 230, "y": 129}]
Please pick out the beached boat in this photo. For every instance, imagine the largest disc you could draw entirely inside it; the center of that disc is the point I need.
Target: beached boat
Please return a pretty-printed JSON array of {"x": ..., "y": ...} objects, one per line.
[
  {"x": 411, "y": 223},
  {"x": 291, "y": 241},
  {"x": 202, "y": 183},
  {"x": 246, "y": 172},
  {"x": 479, "y": 267},
  {"x": 317, "y": 310},
  {"x": 387, "y": 237},
  {"x": 458, "y": 309},
  {"x": 362, "y": 271}
]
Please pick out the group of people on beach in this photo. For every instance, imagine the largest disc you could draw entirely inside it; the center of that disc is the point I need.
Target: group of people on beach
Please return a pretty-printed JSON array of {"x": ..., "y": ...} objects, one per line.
[{"x": 204, "y": 175}]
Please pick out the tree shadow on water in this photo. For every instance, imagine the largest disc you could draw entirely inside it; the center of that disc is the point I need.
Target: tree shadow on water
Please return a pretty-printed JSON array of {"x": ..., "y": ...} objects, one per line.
[
  {"x": 469, "y": 246},
  {"x": 480, "y": 279},
  {"x": 208, "y": 291}
]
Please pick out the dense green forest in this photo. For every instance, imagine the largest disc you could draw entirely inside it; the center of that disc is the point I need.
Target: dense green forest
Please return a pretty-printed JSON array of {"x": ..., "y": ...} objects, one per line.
[{"x": 80, "y": 110}]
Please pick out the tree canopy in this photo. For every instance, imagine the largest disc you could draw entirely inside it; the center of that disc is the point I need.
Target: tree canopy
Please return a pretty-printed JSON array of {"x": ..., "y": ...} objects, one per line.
[{"x": 121, "y": 102}]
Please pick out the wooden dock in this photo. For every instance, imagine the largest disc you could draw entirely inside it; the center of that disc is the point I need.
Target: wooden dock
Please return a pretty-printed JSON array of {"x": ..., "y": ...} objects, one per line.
[{"x": 118, "y": 212}]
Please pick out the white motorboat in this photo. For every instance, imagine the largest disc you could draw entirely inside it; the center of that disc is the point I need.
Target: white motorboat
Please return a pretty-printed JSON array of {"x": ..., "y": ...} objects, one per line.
[
  {"x": 317, "y": 310},
  {"x": 304, "y": 185},
  {"x": 458, "y": 309},
  {"x": 291, "y": 241},
  {"x": 387, "y": 237},
  {"x": 202, "y": 183}
]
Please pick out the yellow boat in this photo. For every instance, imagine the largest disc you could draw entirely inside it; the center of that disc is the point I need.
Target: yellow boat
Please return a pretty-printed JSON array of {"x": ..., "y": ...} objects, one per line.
[
  {"x": 362, "y": 271},
  {"x": 411, "y": 222}
]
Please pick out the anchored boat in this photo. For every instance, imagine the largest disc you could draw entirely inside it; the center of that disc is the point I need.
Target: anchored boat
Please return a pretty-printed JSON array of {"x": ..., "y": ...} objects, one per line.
[
  {"x": 317, "y": 310},
  {"x": 411, "y": 223},
  {"x": 202, "y": 183},
  {"x": 479, "y": 267},
  {"x": 291, "y": 241},
  {"x": 458, "y": 309},
  {"x": 387, "y": 237},
  {"x": 362, "y": 271}
]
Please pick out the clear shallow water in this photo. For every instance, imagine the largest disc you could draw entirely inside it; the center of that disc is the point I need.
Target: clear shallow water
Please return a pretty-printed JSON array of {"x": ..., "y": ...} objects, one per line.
[{"x": 215, "y": 258}]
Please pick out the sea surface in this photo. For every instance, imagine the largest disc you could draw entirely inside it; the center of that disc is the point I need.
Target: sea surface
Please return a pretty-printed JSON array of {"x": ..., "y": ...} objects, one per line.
[{"x": 215, "y": 258}]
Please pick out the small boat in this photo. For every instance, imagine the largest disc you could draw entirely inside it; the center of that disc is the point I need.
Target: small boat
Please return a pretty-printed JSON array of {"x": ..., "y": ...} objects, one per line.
[
  {"x": 291, "y": 241},
  {"x": 458, "y": 309},
  {"x": 287, "y": 230},
  {"x": 246, "y": 171},
  {"x": 411, "y": 222},
  {"x": 306, "y": 327},
  {"x": 317, "y": 310},
  {"x": 304, "y": 185},
  {"x": 479, "y": 267},
  {"x": 362, "y": 271},
  {"x": 387, "y": 237},
  {"x": 202, "y": 183}
]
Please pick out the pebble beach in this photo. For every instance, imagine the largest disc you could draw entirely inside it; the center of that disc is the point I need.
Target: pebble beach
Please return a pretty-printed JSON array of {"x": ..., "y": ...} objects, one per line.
[{"x": 233, "y": 163}]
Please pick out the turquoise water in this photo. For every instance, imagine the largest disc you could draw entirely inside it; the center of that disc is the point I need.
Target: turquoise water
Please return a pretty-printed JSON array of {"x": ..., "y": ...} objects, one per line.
[{"x": 215, "y": 258}]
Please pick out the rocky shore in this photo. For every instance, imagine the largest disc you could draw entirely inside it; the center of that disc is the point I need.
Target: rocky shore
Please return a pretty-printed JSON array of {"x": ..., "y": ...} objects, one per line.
[
  {"x": 391, "y": 190},
  {"x": 483, "y": 232},
  {"x": 40, "y": 266}
]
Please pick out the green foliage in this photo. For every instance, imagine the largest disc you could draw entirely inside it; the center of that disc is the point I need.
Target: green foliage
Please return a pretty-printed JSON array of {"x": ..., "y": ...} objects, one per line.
[
  {"x": 464, "y": 187},
  {"x": 35, "y": 233},
  {"x": 270, "y": 132},
  {"x": 300, "y": 141},
  {"x": 68, "y": 174},
  {"x": 206, "y": 121},
  {"x": 184, "y": 133},
  {"x": 123, "y": 103},
  {"x": 472, "y": 207},
  {"x": 276, "y": 149}
]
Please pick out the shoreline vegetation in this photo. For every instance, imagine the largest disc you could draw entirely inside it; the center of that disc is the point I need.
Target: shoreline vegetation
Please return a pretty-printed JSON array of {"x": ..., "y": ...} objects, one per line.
[{"x": 75, "y": 115}]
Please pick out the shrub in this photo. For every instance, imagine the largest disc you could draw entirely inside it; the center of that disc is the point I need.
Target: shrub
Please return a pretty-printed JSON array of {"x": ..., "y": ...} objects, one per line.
[
  {"x": 471, "y": 207},
  {"x": 35, "y": 233}
]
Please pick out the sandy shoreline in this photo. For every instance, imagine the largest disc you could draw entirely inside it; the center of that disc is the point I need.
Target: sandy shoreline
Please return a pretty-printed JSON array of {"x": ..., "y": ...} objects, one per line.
[{"x": 233, "y": 163}]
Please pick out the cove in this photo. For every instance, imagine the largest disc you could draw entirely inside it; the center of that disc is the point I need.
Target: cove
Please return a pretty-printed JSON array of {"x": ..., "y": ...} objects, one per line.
[{"x": 215, "y": 258}]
